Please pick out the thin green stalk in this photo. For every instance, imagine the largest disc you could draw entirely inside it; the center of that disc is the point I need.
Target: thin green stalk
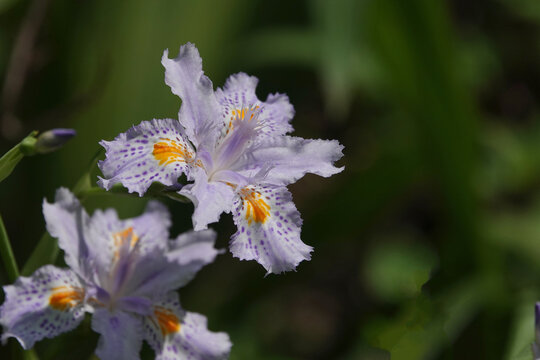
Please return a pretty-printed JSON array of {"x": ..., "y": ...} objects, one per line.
[
  {"x": 13, "y": 273},
  {"x": 7, "y": 254}
]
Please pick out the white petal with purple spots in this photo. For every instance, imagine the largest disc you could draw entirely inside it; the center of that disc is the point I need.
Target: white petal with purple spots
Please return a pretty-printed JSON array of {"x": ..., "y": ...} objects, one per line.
[
  {"x": 48, "y": 303},
  {"x": 153, "y": 151},
  {"x": 268, "y": 229},
  {"x": 178, "y": 335}
]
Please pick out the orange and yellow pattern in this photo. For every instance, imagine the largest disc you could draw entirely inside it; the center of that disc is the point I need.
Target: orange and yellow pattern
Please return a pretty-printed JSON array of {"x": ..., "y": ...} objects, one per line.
[
  {"x": 257, "y": 209},
  {"x": 65, "y": 297},
  {"x": 239, "y": 115},
  {"x": 168, "y": 151},
  {"x": 167, "y": 321}
]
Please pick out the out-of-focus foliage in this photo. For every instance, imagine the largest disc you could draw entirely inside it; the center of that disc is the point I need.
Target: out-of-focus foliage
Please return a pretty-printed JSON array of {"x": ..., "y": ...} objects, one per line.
[{"x": 426, "y": 246}]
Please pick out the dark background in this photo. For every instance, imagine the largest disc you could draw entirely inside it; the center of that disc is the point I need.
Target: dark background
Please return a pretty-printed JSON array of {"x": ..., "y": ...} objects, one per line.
[{"x": 427, "y": 246}]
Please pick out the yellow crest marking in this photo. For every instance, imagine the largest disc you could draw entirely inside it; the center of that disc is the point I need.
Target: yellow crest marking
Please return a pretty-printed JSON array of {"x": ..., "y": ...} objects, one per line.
[
  {"x": 167, "y": 321},
  {"x": 65, "y": 297},
  {"x": 257, "y": 209},
  {"x": 168, "y": 151}
]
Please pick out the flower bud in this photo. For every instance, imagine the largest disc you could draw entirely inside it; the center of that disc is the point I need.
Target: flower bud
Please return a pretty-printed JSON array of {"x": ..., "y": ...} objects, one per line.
[{"x": 52, "y": 140}]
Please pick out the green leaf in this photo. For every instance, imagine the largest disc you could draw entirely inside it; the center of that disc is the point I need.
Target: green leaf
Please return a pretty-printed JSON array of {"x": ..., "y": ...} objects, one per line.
[
  {"x": 9, "y": 161},
  {"x": 45, "y": 252},
  {"x": 84, "y": 183},
  {"x": 522, "y": 329},
  {"x": 427, "y": 325},
  {"x": 396, "y": 271}
]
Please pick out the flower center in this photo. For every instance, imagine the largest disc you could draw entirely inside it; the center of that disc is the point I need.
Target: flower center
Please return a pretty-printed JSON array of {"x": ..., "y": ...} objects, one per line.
[
  {"x": 124, "y": 260},
  {"x": 238, "y": 134}
]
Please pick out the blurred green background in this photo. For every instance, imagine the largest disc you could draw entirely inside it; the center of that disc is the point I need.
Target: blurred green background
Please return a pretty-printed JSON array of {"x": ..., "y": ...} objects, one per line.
[{"x": 427, "y": 246}]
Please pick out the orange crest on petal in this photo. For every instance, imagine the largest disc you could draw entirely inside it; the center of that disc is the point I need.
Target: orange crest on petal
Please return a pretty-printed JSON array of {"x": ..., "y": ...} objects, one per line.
[
  {"x": 257, "y": 209},
  {"x": 168, "y": 151},
  {"x": 167, "y": 321},
  {"x": 65, "y": 297}
]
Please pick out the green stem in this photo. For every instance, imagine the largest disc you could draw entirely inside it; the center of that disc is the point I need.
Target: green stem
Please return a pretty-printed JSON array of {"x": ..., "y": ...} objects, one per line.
[
  {"x": 28, "y": 354},
  {"x": 10, "y": 159},
  {"x": 7, "y": 254}
]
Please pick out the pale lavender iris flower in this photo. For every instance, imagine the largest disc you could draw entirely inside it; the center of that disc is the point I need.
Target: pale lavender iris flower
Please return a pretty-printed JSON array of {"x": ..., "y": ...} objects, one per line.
[
  {"x": 234, "y": 149},
  {"x": 122, "y": 271}
]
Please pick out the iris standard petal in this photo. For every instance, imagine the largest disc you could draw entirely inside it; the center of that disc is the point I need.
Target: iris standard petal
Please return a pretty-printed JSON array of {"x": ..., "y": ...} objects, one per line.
[
  {"x": 67, "y": 221},
  {"x": 290, "y": 158},
  {"x": 152, "y": 151},
  {"x": 211, "y": 199},
  {"x": 268, "y": 229},
  {"x": 175, "y": 334},
  {"x": 121, "y": 334},
  {"x": 44, "y": 305},
  {"x": 200, "y": 109}
]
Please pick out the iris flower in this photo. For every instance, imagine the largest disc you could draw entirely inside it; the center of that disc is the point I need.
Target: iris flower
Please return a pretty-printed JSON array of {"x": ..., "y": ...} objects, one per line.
[
  {"x": 122, "y": 271},
  {"x": 234, "y": 150}
]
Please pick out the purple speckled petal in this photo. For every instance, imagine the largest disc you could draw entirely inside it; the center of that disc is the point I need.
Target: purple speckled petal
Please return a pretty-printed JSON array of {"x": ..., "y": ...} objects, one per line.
[
  {"x": 191, "y": 251},
  {"x": 211, "y": 199},
  {"x": 290, "y": 158},
  {"x": 121, "y": 334},
  {"x": 268, "y": 229},
  {"x": 67, "y": 221},
  {"x": 239, "y": 93},
  {"x": 190, "y": 339},
  {"x": 153, "y": 151},
  {"x": 152, "y": 227},
  {"x": 44, "y": 305},
  {"x": 164, "y": 271},
  {"x": 200, "y": 109}
]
